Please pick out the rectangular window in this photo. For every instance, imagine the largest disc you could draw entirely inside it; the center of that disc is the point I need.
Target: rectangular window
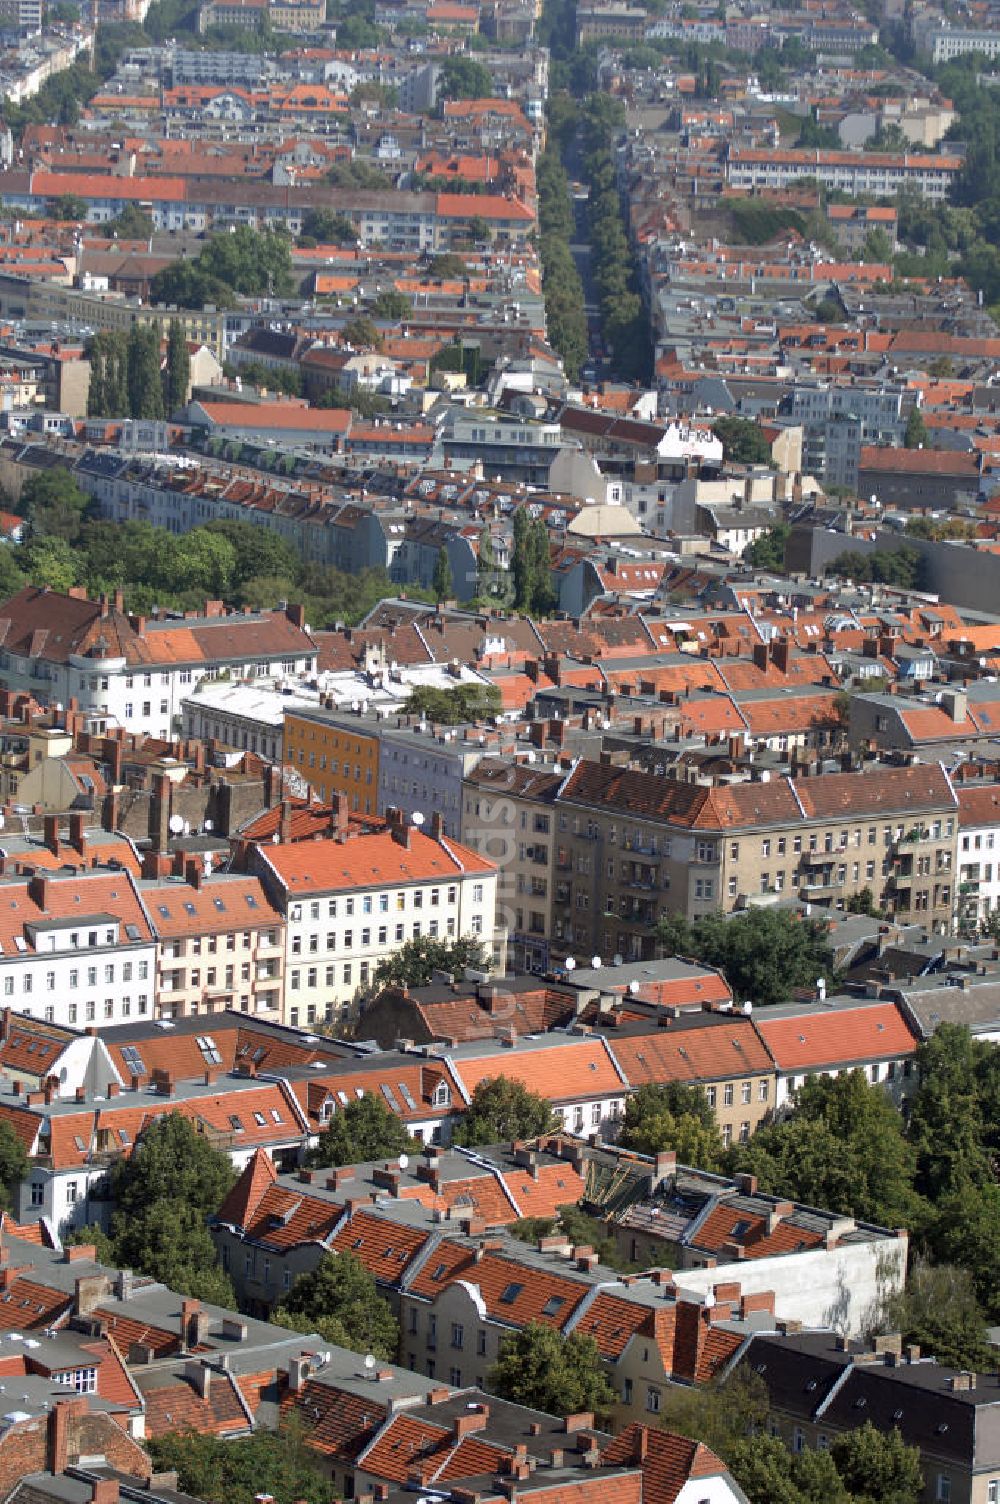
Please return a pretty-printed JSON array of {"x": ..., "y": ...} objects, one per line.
[{"x": 727, "y": 1094}]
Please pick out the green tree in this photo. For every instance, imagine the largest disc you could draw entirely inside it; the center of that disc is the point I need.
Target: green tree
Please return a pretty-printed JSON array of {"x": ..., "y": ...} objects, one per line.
[
  {"x": 539, "y": 565},
  {"x": 447, "y": 267},
  {"x": 132, "y": 223},
  {"x": 12, "y": 578},
  {"x": 278, "y": 1463},
  {"x": 521, "y": 560},
  {"x": 145, "y": 386},
  {"x": 364, "y": 1131},
  {"x": 357, "y": 173},
  {"x": 938, "y": 1310},
  {"x": 539, "y": 1367},
  {"x": 177, "y": 374},
  {"x": 257, "y": 550},
  {"x": 339, "y": 1300},
  {"x": 163, "y": 1194},
  {"x": 392, "y": 306},
  {"x": 766, "y": 1471},
  {"x": 69, "y": 206},
  {"x": 51, "y": 562},
  {"x": 743, "y": 443},
  {"x": 201, "y": 562},
  {"x": 362, "y": 333},
  {"x": 765, "y": 953},
  {"x": 768, "y": 551},
  {"x": 53, "y": 504},
  {"x": 878, "y": 1465},
  {"x": 842, "y": 1147},
  {"x": 464, "y": 78},
  {"x": 720, "y": 1415},
  {"x": 456, "y": 706},
  {"x": 13, "y": 1165},
  {"x": 948, "y": 1125},
  {"x": 414, "y": 963},
  {"x": 673, "y": 1116},
  {"x": 442, "y": 584},
  {"x": 486, "y": 563},
  {"x": 324, "y": 227},
  {"x": 502, "y": 1110},
  {"x": 916, "y": 435}
]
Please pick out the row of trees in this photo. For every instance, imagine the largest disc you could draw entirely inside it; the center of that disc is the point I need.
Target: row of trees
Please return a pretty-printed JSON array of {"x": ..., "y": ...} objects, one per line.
[
  {"x": 624, "y": 318},
  {"x": 565, "y": 315},
  {"x": 531, "y": 565},
  {"x": 127, "y": 378},
  {"x": 902, "y": 566}
]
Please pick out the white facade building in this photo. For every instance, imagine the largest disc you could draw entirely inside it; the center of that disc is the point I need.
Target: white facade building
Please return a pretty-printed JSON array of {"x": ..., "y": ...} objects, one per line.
[
  {"x": 76, "y": 948},
  {"x": 352, "y": 901}
]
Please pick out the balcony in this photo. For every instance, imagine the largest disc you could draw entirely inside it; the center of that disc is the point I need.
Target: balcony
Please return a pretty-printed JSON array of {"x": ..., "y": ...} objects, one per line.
[{"x": 819, "y": 858}]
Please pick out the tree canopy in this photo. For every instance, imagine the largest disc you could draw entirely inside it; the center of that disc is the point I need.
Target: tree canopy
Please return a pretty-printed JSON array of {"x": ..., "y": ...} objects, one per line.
[
  {"x": 222, "y": 1471},
  {"x": 544, "y": 1370},
  {"x": 673, "y": 1116},
  {"x": 363, "y": 1131},
  {"x": 502, "y": 1110},
  {"x": 339, "y": 1300},
  {"x": 247, "y": 262},
  {"x": 163, "y": 1194},
  {"x": 843, "y": 1148},
  {"x": 13, "y": 1165},
  {"x": 416, "y": 961},
  {"x": 743, "y": 442},
  {"x": 455, "y": 706},
  {"x": 764, "y": 953}
]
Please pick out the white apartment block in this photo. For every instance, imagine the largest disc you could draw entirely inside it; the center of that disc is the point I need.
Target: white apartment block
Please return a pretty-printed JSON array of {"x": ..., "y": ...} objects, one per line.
[
  {"x": 133, "y": 672},
  {"x": 76, "y": 948},
  {"x": 879, "y": 173},
  {"x": 350, "y": 902}
]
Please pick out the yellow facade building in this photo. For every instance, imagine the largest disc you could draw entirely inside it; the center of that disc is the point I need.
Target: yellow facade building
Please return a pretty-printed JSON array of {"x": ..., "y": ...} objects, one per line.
[{"x": 335, "y": 755}]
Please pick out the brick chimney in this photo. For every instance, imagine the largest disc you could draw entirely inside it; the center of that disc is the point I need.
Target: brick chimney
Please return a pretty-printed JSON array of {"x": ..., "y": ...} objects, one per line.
[
  {"x": 159, "y": 824},
  {"x": 285, "y": 822},
  {"x": 50, "y": 827},
  {"x": 77, "y": 832}
]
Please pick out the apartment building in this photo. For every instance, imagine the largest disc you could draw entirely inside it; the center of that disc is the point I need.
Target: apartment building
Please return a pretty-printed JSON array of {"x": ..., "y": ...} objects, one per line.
[
  {"x": 880, "y": 173},
  {"x": 381, "y": 761},
  {"x": 352, "y": 900},
  {"x": 718, "y": 1052},
  {"x": 76, "y": 947},
  {"x": 841, "y": 1034},
  {"x": 508, "y": 816},
  {"x": 221, "y": 944},
  {"x": 978, "y": 855},
  {"x": 134, "y": 672},
  {"x": 630, "y": 846},
  {"x": 821, "y": 1386},
  {"x": 72, "y": 1143}
]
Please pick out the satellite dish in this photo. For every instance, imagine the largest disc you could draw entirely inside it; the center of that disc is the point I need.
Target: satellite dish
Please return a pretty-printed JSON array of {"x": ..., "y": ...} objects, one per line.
[
  {"x": 633, "y": 986},
  {"x": 417, "y": 818},
  {"x": 570, "y": 963},
  {"x": 209, "y": 825},
  {"x": 595, "y": 962},
  {"x": 748, "y": 1007},
  {"x": 404, "y": 1161},
  {"x": 369, "y": 1361},
  {"x": 176, "y": 824}
]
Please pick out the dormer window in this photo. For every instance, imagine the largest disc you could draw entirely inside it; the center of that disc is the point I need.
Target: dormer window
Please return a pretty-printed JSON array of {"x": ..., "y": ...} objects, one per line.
[{"x": 442, "y": 1095}]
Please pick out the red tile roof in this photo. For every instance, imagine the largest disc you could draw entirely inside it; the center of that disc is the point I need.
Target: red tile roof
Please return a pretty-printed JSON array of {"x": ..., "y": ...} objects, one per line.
[
  {"x": 714, "y": 1052},
  {"x": 570, "y": 1071},
  {"x": 371, "y": 860},
  {"x": 837, "y": 1036},
  {"x": 668, "y": 1461}
]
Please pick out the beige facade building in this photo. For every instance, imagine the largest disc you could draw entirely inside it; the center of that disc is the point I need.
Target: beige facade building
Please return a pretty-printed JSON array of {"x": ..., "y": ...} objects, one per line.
[{"x": 631, "y": 846}]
